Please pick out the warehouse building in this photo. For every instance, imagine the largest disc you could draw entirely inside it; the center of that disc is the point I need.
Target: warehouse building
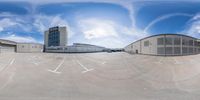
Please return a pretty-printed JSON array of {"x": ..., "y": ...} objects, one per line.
[
  {"x": 7, "y": 46},
  {"x": 76, "y": 48},
  {"x": 165, "y": 45},
  {"x": 29, "y": 47}
]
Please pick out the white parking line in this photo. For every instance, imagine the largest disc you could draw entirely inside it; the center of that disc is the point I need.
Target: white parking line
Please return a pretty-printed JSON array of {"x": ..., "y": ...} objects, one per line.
[
  {"x": 55, "y": 70},
  {"x": 12, "y": 61},
  {"x": 159, "y": 61},
  {"x": 103, "y": 62},
  {"x": 6, "y": 66},
  {"x": 176, "y": 61},
  {"x": 10, "y": 78},
  {"x": 85, "y": 68}
]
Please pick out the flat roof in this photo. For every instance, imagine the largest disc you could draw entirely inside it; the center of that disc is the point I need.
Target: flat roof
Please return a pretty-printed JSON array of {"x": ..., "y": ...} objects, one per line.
[{"x": 29, "y": 43}]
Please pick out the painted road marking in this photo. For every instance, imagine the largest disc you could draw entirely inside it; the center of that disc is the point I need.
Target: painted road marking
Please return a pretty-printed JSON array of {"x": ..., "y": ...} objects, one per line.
[
  {"x": 10, "y": 78},
  {"x": 160, "y": 61},
  {"x": 176, "y": 61},
  {"x": 12, "y": 61},
  {"x": 85, "y": 68},
  {"x": 103, "y": 62},
  {"x": 55, "y": 70},
  {"x": 5, "y": 67}
]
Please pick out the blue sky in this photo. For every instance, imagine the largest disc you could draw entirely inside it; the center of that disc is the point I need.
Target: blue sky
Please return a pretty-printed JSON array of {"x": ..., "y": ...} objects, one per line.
[{"x": 109, "y": 23}]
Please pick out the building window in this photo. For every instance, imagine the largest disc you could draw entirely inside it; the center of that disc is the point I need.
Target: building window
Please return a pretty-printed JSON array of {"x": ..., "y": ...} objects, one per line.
[
  {"x": 190, "y": 42},
  {"x": 185, "y": 42},
  {"x": 177, "y": 41},
  {"x": 160, "y": 41},
  {"x": 195, "y": 43},
  {"x": 185, "y": 50},
  {"x": 177, "y": 50},
  {"x": 168, "y": 41},
  {"x": 191, "y": 50},
  {"x": 168, "y": 50},
  {"x": 161, "y": 50},
  {"x": 54, "y": 38},
  {"x": 146, "y": 43}
]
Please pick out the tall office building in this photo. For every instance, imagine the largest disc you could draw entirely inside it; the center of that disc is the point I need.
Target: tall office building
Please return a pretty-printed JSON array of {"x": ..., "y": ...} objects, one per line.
[{"x": 55, "y": 36}]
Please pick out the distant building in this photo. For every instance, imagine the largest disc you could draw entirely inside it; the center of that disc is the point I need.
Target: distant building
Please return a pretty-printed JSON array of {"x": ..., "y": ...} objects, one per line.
[
  {"x": 55, "y": 40},
  {"x": 7, "y": 46},
  {"x": 55, "y": 36},
  {"x": 165, "y": 45},
  {"x": 76, "y": 48},
  {"x": 29, "y": 47}
]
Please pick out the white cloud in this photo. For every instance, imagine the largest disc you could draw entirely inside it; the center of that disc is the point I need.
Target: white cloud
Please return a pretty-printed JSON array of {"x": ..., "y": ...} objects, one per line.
[
  {"x": 43, "y": 22},
  {"x": 108, "y": 33},
  {"x": 113, "y": 42},
  {"x": 99, "y": 28},
  {"x": 193, "y": 26},
  {"x": 5, "y": 23},
  {"x": 94, "y": 28},
  {"x": 15, "y": 38}
]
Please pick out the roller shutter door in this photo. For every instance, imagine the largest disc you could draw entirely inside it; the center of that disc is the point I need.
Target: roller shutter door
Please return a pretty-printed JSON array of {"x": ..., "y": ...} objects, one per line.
[{"x": 7, "y": 49}]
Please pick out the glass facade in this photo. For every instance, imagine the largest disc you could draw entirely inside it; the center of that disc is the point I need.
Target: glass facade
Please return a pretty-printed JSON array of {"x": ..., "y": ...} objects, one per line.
[{"x": 54, "y": 37}]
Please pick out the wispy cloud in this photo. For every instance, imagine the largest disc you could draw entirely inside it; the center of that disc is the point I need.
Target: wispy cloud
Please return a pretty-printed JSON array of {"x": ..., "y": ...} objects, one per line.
[
  {"x": 5, "y": 23},
  {"x": 106, "y": 31},
  {"x": 163, "y": 17},
  {"x": 91, "y": 28},
  {"x": 15, "y": 38},
  {"x": 43, "y": 22},
  {"x": 94, "y": 28},
  {"x": 193, "y": 27}
]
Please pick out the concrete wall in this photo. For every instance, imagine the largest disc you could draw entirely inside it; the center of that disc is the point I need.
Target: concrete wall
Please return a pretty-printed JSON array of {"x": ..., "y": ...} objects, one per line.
[
  {"x": 7, "y": 46},
  {"x": 63, "y": 36},
  {"x": 150, "y": 45},
  {"x": 75, "y": 49},
  {"x": 46, "y": 33},
  {"x": 29, "y": 47}
]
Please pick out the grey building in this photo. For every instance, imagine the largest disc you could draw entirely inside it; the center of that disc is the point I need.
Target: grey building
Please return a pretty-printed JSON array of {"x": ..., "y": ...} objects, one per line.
[
  {"x": 29, "y": 47},
  {"x": 76, "y": 48},
  {"x": 55, "y": 40},
  {"x": 165, "y": 45},
  {"x": 55, "y": 36},
  {"x": 7, "y": 46}
]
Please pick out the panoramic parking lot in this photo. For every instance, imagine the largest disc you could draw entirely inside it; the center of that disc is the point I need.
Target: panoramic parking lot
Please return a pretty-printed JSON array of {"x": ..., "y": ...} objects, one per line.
[{"x": 98, "y": 76}]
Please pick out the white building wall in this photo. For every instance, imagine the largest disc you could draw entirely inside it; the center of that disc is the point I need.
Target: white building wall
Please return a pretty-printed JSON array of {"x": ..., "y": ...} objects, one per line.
[
  {"x": 151, "y": 45},
  {"x": 29, "y": 47},
  {"x": 63, "y": 36}
]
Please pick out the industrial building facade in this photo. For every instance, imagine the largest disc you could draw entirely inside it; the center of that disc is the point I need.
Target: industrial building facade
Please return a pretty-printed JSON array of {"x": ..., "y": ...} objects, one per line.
[
  {"x": 7, "y": 46},
  {"x": 76, "y": 48},
  {"x": 29, "y": 47},
  {"x": 165, "y": 45}
]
